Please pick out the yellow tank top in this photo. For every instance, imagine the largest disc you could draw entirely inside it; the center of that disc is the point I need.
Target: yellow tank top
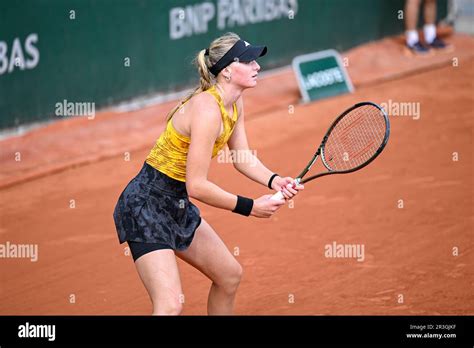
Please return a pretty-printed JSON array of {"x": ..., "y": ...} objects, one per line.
[{"x": 171, "y": 149}]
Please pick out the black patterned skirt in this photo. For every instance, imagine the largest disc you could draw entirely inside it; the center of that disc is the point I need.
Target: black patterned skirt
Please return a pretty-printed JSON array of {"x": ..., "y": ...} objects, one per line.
[{"x": 155, "y": 208}]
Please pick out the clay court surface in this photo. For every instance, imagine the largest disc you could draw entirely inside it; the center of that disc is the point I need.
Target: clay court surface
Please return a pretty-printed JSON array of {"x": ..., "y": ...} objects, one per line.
[{"x": 408, "y": 251}]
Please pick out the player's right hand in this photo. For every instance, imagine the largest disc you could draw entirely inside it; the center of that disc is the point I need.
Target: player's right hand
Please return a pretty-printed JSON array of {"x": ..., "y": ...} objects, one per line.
[{"x": 264, "y": 207}]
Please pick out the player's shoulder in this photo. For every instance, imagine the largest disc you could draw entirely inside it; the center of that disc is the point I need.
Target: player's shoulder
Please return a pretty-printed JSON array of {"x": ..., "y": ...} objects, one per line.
[
  {"x": 204, "y": 106},
  {"x": 205, "y": 114},
  {"x": 204, "y": 102}
]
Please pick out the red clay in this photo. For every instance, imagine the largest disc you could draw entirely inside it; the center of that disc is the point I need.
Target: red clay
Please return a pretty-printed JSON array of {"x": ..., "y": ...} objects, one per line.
[{"x": 408, "y": 251}]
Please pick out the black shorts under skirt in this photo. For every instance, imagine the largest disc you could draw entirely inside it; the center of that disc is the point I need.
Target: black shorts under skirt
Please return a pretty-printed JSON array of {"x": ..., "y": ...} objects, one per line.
[
  {"x": 139, "y": 249},
  {"x": 155, "y": 208}
]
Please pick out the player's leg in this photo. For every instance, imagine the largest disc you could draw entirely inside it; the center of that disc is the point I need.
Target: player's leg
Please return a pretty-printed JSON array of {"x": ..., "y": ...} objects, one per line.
[
  {"x": 411, "y": 34},
  {"x": 411, "y": 14},
  {"x": 429, "y": 29},
  {"x": 430, "y": 11},
  {"x": 209, "y": 254},
  {"x": 159, "y": 273}
]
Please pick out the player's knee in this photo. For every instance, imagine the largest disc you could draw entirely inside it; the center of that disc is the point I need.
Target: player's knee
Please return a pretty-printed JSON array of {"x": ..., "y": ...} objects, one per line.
[
  {"x": 231, "y": 281},
  {"x": 170, "y": 307}
]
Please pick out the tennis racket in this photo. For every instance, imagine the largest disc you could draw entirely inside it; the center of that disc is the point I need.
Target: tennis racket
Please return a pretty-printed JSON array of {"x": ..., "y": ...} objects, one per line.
[{"x": 354, "y": 140}]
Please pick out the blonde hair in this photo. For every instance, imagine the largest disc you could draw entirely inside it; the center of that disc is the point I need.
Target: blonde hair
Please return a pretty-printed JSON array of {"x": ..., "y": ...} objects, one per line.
[{"x": 203, "y": 62}]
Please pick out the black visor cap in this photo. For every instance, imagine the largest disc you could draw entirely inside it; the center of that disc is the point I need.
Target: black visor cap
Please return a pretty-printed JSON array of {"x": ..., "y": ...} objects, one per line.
[
  {"x": 252, "y": 53},
  {"x": 241, "y": 51}
]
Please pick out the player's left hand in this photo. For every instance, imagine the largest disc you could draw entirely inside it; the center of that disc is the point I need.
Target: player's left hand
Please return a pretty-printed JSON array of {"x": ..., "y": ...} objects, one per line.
[{"x": 287, "y": 186}]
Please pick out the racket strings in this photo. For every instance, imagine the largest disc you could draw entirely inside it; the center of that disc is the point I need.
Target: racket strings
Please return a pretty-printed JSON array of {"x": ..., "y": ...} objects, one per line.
[{"x": 355, "y": 139}]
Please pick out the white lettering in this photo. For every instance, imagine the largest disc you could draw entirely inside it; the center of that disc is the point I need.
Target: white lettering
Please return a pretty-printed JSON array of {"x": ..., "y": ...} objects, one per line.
[
  {"x": 3, "y": 57},
  {"x": 323, "y": 78},
  {"x": 16, "y": 58},
  {"x": 32, "y": 51},
  {"x": 192, "y": 19},
  {"x": 195, "y": 19},
  {"x": 26, "y": 251},
  {"x": 41, "y": 331},
  {"x": 335, "y": 250},
  {"x": 75, "y": 109}
]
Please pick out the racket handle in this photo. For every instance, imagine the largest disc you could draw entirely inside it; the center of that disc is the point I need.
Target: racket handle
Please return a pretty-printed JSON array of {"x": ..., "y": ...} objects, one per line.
[{"x": 278, "y": 196}]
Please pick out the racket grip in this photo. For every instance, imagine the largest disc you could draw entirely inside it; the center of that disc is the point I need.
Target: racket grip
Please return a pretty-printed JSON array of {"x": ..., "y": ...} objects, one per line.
[{"x": 278, "y": 196}]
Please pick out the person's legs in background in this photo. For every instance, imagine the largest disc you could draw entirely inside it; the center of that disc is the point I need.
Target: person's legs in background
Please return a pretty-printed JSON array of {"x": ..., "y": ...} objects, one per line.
[
  {"x": 429, "y": 29},
  {"x": 411, "y": 19}
]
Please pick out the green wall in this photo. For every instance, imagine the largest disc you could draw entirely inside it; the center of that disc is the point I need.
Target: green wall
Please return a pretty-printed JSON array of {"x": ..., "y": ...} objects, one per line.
[{"x": 82, "y": 45}]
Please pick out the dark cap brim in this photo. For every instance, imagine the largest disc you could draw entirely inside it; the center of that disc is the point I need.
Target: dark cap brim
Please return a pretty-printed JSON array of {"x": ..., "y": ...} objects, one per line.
[
  {"x": 240, "y": 51},
  {"x": 252, "y": 53}
]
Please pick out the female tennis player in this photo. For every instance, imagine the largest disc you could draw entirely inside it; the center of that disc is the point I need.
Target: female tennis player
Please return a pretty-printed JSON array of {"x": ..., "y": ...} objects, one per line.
[{"x": 154, "y": 214}]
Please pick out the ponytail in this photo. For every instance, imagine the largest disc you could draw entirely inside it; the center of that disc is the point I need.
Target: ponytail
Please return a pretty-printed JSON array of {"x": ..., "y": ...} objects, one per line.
[{"x": 204, "y": 62}]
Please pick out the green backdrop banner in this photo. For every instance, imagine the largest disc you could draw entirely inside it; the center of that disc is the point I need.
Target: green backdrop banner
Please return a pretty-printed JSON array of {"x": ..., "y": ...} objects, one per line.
[{"x": 58, "y": 58}]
